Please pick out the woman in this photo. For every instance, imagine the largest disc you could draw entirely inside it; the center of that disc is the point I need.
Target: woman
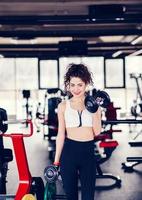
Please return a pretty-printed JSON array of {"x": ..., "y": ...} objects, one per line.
[{"x": 76, "y": 132}]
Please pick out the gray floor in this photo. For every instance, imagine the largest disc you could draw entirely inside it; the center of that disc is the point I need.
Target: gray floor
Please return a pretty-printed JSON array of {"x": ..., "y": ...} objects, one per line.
[{"x": 37, "y": 151}]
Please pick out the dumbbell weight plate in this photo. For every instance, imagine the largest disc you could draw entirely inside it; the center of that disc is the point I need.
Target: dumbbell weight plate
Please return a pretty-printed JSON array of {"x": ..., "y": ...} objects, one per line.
[
  {"x": 105, "y": 98},
  {"x": 51, "y": 173},
  {"x": 90, "y": 104},
  {"x": 50, "y": 191}
]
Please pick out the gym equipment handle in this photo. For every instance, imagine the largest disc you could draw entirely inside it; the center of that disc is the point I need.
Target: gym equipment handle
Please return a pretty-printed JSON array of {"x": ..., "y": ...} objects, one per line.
[{"x": 19, "y": 121}]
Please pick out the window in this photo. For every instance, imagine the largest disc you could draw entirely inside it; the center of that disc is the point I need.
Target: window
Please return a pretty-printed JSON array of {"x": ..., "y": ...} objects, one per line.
[
  {"x": 7, "y": 74},
  {"x": 114, "y": 73},
  {"x": 26, "y": 73},
  {"x": 48, "y": 74}
]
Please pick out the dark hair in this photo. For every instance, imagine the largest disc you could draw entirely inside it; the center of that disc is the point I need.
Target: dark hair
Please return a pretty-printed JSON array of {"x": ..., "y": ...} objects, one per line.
[{"x": 78, "y": 70}]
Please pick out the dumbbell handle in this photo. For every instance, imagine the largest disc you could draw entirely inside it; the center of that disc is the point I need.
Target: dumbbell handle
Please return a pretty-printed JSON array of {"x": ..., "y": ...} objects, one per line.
[{"x": 99, "y": 101}]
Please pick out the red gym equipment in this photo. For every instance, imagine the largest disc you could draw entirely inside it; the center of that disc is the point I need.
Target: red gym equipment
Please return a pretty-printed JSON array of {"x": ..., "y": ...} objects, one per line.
[{"x": 27, "y": 183}]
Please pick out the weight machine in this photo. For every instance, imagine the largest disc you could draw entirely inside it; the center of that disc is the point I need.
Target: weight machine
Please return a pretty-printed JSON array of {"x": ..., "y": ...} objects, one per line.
[
  {"x": 27, "y": 106},
  {"x": 27, "y": 183},
  {"x": 131, "y": 161},
  {"x": 136, "y": 109},
  {"x": 48, "y": 117}
]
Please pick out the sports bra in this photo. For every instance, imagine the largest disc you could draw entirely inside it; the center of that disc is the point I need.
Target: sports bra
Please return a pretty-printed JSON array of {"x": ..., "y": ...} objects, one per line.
[{"x": 74, "y": 118}]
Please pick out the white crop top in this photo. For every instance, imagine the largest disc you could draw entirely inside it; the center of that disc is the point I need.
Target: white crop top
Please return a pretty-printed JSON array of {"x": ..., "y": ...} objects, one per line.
[{"x": 74, "y": 118}]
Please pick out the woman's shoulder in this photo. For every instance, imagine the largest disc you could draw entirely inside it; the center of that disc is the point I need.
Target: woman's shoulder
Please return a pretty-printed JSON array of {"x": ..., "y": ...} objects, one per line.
[{"x": 62, "y": 105}]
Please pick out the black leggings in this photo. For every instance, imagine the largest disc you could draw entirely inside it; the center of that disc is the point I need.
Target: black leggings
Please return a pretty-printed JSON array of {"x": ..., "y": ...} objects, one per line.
[{"x": 78, "y": 161}]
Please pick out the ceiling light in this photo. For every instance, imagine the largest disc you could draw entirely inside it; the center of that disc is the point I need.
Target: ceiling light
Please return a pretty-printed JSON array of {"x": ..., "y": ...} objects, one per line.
[
  {"x": 119, "y": 18},
  {"x": 136, "y": 53},
  {"x": 111, "y": 38},
  {"x": 33, "y": 41},
  {"x": 117, "y": 53},
  {"x": 1, "y": 56},
  {"x": 13, "y": 41},
  {"x": 135, "y": 41}
]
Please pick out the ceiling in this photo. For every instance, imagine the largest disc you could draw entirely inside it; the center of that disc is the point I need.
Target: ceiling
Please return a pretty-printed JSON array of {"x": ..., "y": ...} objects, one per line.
[{"x": 60, "y": 27}]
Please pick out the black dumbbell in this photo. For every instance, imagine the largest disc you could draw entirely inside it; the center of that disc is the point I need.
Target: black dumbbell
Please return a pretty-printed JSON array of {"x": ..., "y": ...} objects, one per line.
[
  {"x": 100, "y": 98},
  {"x": 51, "y": 173}
]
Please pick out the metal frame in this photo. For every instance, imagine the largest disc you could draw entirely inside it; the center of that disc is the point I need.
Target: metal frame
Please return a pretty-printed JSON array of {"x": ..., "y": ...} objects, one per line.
[{"x": 123, "y": 75}]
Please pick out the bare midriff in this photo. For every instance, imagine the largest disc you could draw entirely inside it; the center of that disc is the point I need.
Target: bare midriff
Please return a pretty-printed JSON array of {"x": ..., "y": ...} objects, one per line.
[{"x": 80, "y": 133}]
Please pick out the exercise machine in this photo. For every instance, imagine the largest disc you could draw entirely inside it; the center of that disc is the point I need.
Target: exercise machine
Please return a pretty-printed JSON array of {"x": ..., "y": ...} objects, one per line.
[
  {"x": 108, "y": 145},
  {"x": 27, "y": 183},
  {"x": 136, "y": 109},
  {"x": 131, "y": 161},
  {"x": 48, "y": 117},
  {"x": 6, "y": 155},
  {"x": 111, "y": 112},
  {"x": 121, "y": 121},
  {"x": 27, "y": 106}
]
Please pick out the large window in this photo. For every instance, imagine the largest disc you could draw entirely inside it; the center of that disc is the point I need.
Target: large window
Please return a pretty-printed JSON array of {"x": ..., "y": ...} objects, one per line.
[
  {"x": 48, "y": 74},
  {"x": 26, "y": 73},
  {"x": 16, "y": 74},
  {"x": 114, "y": 73},
  {"x": 133, "y": 66},
  {"x": 7, "y": 85},
  {"x": 7, "y": 74},
  {"x": 96, "y": 66}
]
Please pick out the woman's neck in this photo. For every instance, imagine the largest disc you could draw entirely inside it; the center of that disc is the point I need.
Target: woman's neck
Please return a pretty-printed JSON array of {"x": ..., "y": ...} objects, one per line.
[{"x": 78, "y": 99}]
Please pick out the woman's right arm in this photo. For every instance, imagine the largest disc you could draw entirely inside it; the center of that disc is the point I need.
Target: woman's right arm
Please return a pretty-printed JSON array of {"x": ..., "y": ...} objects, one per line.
[{"x": 61, "y": 132}]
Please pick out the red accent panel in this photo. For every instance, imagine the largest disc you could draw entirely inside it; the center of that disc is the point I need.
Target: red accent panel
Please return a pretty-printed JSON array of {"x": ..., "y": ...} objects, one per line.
[{"x": 108, "y": 144}]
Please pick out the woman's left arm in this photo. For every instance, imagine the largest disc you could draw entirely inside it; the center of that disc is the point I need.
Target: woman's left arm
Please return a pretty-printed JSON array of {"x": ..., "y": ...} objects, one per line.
[{"x": 97, "y": 123}]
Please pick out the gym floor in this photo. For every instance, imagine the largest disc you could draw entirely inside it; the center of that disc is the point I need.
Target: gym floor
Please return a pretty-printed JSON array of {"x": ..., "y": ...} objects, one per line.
[{"x": 37, "y": 153}]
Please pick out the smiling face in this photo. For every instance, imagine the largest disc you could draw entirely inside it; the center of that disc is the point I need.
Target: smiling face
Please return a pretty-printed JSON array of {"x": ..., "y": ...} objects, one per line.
[{"x": 77, "y": 87}]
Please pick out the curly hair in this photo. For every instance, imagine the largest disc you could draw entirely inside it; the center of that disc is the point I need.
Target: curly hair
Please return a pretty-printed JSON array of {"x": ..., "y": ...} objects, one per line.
[{"x": 78, "y": 70}]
